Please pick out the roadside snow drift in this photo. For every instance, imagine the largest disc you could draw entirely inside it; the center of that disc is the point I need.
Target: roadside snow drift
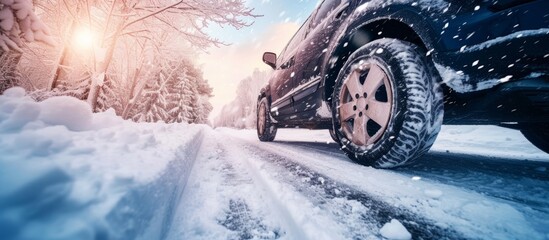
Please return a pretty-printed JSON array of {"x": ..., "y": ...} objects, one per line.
[{"x": 66, "y": 173}]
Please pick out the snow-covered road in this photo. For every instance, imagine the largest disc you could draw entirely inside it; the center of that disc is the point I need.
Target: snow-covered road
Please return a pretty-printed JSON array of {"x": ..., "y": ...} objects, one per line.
[
  {"x": 302, "y": 187},
  {"x": 96, "y": 176}
]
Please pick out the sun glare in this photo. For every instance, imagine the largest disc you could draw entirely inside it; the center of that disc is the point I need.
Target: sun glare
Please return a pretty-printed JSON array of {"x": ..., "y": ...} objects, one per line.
[{"x": 83, "y": 38}]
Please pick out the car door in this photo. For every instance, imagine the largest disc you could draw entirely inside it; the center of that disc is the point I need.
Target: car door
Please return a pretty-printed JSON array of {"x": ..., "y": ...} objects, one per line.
[
  {"x": 283, "y": 83},
  {"x": 311, "y": 54}
]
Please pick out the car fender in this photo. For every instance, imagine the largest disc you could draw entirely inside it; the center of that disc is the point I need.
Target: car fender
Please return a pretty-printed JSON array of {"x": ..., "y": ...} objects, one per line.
[
  {"x": 264, "y": 92},
  {"x": 362, "y": 17}
]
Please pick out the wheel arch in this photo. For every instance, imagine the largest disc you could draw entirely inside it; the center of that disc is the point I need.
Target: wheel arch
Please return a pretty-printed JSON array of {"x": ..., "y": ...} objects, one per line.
[
  {"x": 264, "y": 93},
  {"x": 403, "y": 25}
]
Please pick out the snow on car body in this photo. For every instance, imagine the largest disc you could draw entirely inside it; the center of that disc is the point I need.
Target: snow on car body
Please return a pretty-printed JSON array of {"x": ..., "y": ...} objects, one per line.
[{"x": 483, "y": 62}]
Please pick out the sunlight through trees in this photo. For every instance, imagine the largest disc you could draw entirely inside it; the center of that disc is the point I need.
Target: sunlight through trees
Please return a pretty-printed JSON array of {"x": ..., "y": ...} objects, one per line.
[{"x": 136, "y": 57}]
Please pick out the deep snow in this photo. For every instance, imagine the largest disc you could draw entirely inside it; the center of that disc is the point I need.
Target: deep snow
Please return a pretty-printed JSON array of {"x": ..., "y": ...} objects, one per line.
[{"x": 66, "y": 173}]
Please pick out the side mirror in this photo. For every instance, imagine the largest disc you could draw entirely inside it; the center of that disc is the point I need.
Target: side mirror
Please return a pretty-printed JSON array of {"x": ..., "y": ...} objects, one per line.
[{"x": 269, "y": 58}]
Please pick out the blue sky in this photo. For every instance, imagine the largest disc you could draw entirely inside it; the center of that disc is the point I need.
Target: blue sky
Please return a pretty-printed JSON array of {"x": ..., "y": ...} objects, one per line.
[{"x": 273, "y": 11}]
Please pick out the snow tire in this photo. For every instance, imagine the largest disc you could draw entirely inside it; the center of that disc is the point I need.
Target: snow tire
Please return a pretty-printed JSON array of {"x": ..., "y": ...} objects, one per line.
[
  {"x": 416, "y": 108},
  {"x": 266, "y": 130}
]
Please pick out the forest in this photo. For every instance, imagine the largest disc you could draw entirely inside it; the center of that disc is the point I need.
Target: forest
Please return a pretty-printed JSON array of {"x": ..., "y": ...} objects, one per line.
[
  {"x": 136, "y": 57},
  {"x": 241, "y": 112}
]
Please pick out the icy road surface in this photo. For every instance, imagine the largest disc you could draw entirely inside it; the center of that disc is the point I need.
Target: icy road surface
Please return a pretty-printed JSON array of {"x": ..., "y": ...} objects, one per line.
[{"x": 476, "y": 182}]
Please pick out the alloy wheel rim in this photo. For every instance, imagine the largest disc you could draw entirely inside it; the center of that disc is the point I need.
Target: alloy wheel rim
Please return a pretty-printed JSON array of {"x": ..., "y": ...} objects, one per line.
[{"x": 365, "y": 103}]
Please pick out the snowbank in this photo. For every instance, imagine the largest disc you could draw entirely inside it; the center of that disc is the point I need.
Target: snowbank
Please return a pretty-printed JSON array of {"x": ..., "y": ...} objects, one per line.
[{"x": 66, "y": 173}]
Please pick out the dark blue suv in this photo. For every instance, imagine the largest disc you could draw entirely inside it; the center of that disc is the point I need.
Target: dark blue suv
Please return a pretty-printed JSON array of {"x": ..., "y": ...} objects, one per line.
[{"x": 383, "y": 76}]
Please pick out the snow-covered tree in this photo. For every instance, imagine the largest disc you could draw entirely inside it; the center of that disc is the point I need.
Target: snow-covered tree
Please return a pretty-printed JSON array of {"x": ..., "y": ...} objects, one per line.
[
  {"x": 8, "y": 73},
  {"x": 178, "y": 93},
  {"x": 241, "y": 112},
  {"x": 111, "y": 27},
  {"x": 141, "y": 19},
  {"x": 153, "y": 107},
  {"x": 118, "y": 54},
  {"x": 204, "y": 107},
  {"x": 19, "y": 22}
]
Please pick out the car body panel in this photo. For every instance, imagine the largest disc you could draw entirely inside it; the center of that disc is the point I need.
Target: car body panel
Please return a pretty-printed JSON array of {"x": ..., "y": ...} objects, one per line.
[
  {"x": 474, "y": 47},
  {"x": 314, "y": 49}
]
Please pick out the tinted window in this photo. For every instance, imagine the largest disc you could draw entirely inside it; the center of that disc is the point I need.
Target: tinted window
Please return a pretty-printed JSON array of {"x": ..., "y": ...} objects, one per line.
[{"x": 288, "y": 52}]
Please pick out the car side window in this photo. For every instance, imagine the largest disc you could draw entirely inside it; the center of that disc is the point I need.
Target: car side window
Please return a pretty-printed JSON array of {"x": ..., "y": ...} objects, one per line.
[
  {"x": 285, "y": 58},
  {"x": 279, "y": 59},
  {"x": 324, "y": 10}
]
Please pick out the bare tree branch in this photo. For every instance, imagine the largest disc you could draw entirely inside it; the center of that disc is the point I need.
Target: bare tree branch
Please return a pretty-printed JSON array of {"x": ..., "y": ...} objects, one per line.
[{"x": 152, "y": 14}]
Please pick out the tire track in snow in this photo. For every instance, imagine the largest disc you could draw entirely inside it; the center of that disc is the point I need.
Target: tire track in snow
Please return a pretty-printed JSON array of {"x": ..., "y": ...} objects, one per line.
[
  {"x": 455, "y": 206},
  {"x": 239, "y": 218},
  {"x": 335, "y": 220},
  {"x": 363, "y": 214},
  {"x": 505, "y": 179},
  {"x": 217, "y": 204},
  {"x": 493, "y": 176},
  {"x": 277, "y": 202}
]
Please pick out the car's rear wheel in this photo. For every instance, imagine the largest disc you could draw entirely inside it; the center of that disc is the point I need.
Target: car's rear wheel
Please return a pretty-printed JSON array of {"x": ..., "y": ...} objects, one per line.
[
  {"x": 388, "y": 104},
  {"x": 537, "y": 134},
  {"x": 266, "y": 130}
]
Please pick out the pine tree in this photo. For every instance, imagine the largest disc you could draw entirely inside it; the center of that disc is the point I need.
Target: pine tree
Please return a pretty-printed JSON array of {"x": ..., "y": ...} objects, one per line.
[
  {"x": 175, "y": 99},
  {"x": 178, "y": 93},
  {"x": 109, "y": 97},
  {"x": 189, "y": 99},
  {"x": 152, "y": 106}
]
